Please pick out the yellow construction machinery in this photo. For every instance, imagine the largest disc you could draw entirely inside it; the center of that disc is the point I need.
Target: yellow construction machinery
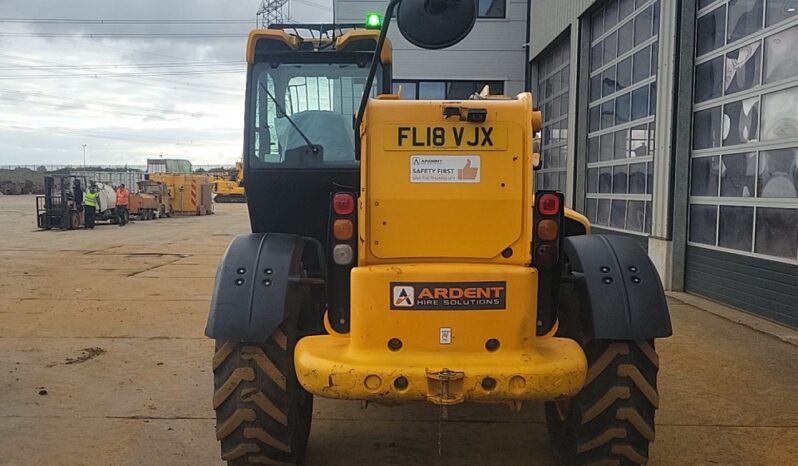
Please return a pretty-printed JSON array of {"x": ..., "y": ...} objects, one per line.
[
  {"x": 230, "y": 188},
  {"x": 412, "y": 259}
]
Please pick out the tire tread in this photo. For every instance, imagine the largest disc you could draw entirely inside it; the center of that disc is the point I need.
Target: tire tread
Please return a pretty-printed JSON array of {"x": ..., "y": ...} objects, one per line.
[
  {"x": 611, "y": 421},
  {"x": 254, "y": 391}
]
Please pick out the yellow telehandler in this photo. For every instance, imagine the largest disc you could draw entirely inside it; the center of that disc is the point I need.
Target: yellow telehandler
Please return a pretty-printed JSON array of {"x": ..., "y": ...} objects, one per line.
[{"x": 412, "y": 258}]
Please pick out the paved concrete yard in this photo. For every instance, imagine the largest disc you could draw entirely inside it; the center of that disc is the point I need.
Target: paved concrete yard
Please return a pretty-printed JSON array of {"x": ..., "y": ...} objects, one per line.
[{"x": 137, "y": 299}]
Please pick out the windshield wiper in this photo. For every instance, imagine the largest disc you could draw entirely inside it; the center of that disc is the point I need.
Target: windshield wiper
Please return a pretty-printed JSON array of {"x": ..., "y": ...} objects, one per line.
[{"x": 313, "y": 148}]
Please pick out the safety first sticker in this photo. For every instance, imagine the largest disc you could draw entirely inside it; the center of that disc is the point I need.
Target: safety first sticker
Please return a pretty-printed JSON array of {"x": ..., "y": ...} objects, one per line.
[
  {"x": 448, "y": 296},
  {"x": 444, "y": 169}
]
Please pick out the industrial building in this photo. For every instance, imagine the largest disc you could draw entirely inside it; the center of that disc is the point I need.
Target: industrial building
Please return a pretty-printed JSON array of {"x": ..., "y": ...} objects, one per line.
[
  {"x": 492, "y": 54},
  {"x": 676, "y": 123}
]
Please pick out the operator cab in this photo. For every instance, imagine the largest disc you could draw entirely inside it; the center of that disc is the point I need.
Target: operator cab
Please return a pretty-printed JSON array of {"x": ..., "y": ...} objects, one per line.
[{"x": 304, "y": 84}]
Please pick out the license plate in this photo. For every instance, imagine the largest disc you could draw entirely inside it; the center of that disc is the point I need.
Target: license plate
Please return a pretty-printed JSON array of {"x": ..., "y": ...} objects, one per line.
[{"x": 471, "y": 137}]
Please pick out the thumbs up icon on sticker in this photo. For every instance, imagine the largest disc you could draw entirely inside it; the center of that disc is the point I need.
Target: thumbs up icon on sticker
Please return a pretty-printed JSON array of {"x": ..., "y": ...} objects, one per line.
[{"x": 468, "y": 172}]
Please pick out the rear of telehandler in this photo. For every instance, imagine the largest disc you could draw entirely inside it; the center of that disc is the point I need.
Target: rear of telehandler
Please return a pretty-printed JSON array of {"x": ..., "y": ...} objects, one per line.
[{"x": 411, "y": 261}]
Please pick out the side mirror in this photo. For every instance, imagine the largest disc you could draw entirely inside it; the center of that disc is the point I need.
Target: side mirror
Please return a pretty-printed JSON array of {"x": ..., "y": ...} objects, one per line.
[
  {"x": 436, "y": 24},
  {"x": 429, "y": 24}
]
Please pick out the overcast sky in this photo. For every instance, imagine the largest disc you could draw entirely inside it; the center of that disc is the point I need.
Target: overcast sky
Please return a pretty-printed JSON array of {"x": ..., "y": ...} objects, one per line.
[{"x": 57, "y": 93}]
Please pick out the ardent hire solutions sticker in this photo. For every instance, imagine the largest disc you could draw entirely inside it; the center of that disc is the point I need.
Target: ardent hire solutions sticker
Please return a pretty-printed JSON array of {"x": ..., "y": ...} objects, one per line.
[
  {"x": 444, "y": 169},
  {"x": 448, "y": 296}
]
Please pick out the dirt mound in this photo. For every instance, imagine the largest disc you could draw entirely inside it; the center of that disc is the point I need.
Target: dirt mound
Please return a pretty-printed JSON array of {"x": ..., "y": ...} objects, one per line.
[
  {"x": 21, "y": 187},
  {"x": 21, "y": 181}
]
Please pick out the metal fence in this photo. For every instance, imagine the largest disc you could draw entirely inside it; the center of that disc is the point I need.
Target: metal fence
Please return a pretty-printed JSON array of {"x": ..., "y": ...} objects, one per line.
[
  {"x": 98, "y": 168},
  {"x": 52, "y": 168}
]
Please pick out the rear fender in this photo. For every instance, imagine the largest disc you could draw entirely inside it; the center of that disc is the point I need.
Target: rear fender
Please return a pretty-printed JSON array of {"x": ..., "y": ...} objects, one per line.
[
  {"x": 258, "y": 283},
  {"x": 620, "y": 293}
]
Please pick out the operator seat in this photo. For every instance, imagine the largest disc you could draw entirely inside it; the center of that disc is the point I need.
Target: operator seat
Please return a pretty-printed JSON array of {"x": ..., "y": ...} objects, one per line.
[{"x": 330, "y": 130}]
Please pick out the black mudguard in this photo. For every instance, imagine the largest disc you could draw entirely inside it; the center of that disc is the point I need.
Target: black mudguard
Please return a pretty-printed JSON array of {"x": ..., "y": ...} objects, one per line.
[
  {"x": 258, "y": 282},
  {"x": 618, "y": 287}
]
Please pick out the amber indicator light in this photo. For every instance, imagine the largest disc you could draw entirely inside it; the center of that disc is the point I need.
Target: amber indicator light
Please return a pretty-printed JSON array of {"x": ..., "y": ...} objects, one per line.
[
  {"x": 547, "y": 230},
  {"x": 343, "y": 229}
]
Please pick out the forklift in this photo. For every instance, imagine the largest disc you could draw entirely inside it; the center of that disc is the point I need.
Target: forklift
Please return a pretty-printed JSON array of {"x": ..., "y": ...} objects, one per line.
[
  {"x": 58, "y": 207},
  {"x": 408, "y": 257}
]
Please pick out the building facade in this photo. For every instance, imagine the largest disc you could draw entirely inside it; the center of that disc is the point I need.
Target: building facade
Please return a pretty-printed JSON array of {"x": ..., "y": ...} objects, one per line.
[
  {"x": 676, "y": 124},
  {"x": 492, "y": 54}
]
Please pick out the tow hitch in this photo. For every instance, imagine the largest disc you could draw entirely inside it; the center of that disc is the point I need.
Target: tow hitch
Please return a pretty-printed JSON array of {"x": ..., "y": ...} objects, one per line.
[{"x": 445, "y": 388}]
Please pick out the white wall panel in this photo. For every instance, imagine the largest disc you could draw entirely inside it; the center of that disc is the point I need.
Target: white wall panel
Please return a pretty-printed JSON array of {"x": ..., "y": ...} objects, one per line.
[{"x": 550, "y": 18}]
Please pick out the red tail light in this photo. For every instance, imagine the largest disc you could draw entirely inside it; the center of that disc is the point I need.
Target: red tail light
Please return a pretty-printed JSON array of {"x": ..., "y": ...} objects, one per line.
[
  {"x": 343, "y": 203},
  {"x": 548, "y": 222},
  {"x": 549, "y": 204}
]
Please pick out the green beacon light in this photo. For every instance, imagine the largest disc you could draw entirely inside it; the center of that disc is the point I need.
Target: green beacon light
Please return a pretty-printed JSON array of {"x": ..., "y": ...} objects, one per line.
[{"x": 373, "y": 21}]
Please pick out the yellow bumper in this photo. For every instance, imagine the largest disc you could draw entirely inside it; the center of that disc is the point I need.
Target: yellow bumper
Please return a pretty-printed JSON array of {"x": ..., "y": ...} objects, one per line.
[
  {"x": 443, "y": 350},
  {"x": 327, "y": 366}
]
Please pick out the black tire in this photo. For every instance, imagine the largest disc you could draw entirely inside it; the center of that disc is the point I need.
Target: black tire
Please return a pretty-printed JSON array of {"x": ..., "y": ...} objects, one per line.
[
  {"x": 611, "y": 420},
  {"x": 263, "y": 415}
]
